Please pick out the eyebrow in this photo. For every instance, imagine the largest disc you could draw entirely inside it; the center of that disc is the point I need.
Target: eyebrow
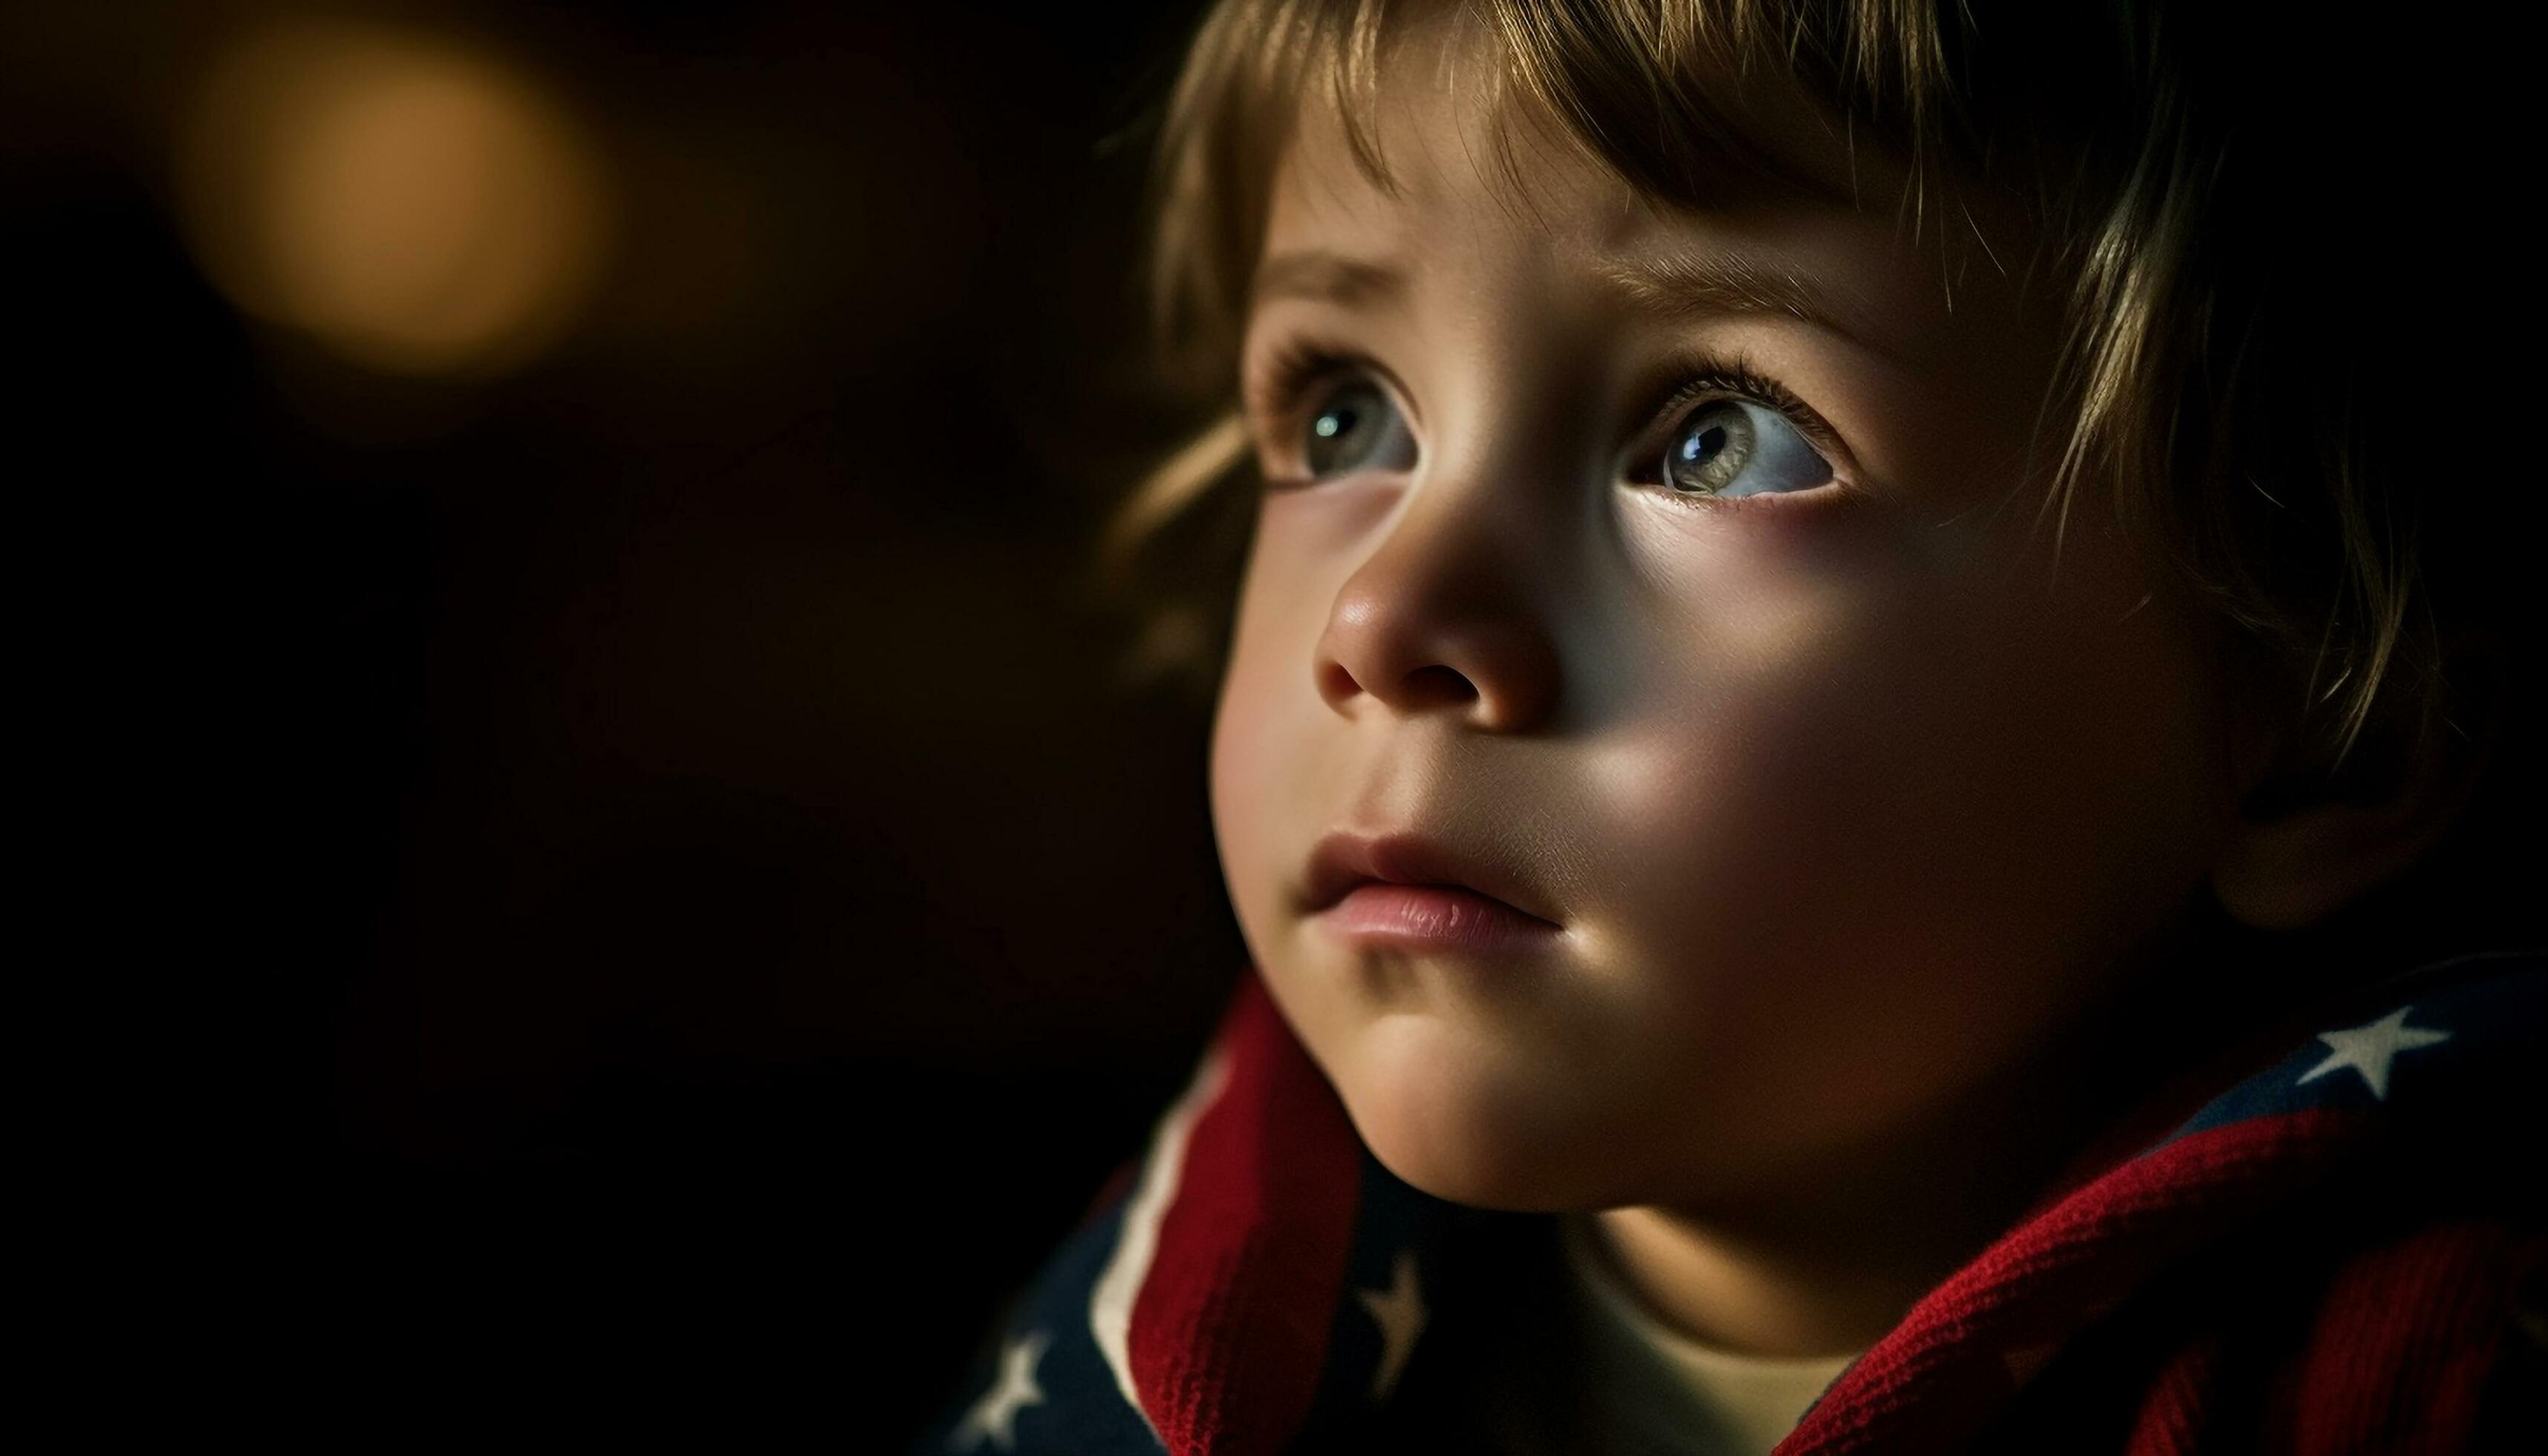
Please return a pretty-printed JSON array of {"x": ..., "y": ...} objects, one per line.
[
  {"x": 1678, "y": 286},
  {"x": 1328, "y": 277},
  {"x": 1671, "y": 286}
]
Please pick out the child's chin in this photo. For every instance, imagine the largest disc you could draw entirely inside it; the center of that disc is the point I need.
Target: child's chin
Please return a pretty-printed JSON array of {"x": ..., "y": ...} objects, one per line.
[{"x": 1461, "y": 1143}]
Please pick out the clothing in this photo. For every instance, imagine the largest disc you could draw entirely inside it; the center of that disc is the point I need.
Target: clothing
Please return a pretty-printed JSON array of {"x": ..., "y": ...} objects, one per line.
[
  {"x": 1655, "y": 1390},
  {"x": 2330, "y": 1244}
]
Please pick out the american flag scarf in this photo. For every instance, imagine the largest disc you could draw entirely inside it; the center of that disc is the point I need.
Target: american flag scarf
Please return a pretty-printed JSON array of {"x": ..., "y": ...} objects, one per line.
[{"x": 1253, "y": 1281}]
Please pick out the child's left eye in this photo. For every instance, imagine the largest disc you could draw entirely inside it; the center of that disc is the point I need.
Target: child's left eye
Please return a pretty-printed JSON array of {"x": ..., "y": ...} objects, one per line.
[
  {"x": 1728, "y": 448},
  {"x": 1356, "y": 427}
]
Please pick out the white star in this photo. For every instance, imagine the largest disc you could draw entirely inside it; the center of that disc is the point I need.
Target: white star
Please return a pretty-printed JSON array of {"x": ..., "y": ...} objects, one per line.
[
  {"x": 997, "y": 1413},
  {"x": 1400, "y": 1312},
  {"x": 2368, "y": 1048}
]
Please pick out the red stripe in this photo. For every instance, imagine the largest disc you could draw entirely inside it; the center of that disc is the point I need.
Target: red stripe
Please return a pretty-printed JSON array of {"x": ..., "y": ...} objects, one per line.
[
  {"x": 1940, "y": 1375},
  {"x": 2403, "y": 1340},
  {"x": 2176, "y": 1414},
  {"x": 1230, "y": 1331}
]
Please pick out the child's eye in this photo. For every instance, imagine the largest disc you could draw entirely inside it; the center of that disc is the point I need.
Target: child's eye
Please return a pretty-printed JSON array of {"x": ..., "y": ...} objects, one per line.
[
  {"x": 1354, "y": 426},
  {"x": 1728, "y": 449}
]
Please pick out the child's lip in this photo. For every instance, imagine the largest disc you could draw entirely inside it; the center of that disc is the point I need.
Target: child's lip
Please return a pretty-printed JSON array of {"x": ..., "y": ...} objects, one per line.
[
  {"x": 1344, "y": 859},
  {"x": 1434, "y": 916}
]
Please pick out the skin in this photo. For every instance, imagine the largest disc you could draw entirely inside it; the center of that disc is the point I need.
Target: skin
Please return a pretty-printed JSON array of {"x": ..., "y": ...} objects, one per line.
[{"x": 1860, "y": 817}]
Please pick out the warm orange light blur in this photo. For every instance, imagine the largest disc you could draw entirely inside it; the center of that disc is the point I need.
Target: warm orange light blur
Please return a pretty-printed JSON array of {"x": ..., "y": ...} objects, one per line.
[{"x": 419, "y": 208}]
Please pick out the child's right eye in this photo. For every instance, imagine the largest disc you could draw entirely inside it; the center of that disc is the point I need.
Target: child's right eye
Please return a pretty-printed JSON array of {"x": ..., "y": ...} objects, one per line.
[{"x": 1354, "y": 426}]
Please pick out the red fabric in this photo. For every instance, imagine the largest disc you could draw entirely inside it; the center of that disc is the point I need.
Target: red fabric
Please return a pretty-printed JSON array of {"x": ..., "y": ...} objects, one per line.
[
  {"x": 1226, "y": 1353},
  {"x": 2320, "y": 1243},
  {"x": 2173, "y": 1419},
  {"x": 2402, "y": 1343},
  {"x": 1951, "y": 1363}
]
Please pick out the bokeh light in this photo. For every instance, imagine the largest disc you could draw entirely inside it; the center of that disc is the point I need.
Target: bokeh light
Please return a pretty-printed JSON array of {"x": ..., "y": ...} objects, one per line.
[{"x": 416, "y": 206}]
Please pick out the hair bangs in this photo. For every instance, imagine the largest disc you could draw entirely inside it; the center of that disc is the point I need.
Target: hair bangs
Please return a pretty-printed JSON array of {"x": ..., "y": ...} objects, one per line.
[{"x": 2201, "y": 387}]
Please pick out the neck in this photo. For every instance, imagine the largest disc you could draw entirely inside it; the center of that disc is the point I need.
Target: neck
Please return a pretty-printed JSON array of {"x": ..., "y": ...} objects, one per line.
[
  {"x": 1831, "y": 1260},
  {"x": 1832, "y": 1254}
]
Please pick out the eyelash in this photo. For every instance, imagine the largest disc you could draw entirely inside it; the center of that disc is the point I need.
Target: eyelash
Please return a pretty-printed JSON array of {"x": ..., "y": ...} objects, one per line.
[{"x": 1299, "y": 367}]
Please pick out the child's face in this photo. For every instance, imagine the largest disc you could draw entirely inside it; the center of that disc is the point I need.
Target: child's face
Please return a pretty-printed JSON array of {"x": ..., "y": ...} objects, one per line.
[{"x": 1840, "y": 797}]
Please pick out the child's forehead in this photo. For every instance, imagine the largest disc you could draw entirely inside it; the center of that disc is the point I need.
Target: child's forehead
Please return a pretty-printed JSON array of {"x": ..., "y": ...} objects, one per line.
[
  {"x": 1476, "y": 171},
  {"x": 1445, "y": 152},
  {"x": 1450, "y": 99},
  {"x": 1463, "y": 142}
]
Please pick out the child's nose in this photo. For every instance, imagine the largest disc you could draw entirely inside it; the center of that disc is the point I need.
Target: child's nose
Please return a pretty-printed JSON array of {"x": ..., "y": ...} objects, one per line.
[{"x": 1445, "y": 616}]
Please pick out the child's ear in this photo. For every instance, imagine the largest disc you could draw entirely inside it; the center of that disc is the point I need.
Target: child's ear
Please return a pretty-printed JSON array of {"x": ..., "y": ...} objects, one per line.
[{"x": 2309, "y": 839}]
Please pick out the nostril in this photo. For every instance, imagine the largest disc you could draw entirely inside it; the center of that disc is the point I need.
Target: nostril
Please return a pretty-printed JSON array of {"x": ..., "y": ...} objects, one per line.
[
  {"x": 1438, "y": 684},
  {"x": 1335, "y": 683}
]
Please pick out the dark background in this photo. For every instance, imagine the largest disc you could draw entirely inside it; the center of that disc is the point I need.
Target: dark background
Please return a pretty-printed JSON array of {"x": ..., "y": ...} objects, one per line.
[{"x": 640, "y": 892}]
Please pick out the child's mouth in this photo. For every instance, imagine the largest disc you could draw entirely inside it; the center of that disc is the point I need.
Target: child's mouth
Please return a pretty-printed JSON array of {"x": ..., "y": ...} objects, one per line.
[
  {"x": 1417, "y": 891},
  {"x": 1433, "y": 917}
]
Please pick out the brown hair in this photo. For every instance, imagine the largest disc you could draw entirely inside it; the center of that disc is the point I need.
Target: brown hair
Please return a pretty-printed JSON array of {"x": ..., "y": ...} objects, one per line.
[{"x": 2193, "y": 173}]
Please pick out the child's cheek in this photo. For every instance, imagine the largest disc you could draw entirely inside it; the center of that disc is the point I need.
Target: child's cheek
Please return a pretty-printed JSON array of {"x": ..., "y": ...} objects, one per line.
[
  {"x": 1869, "y": 814},
  {"x": 1278, "y": 752},
  {"x": 1252, "y": 728}
]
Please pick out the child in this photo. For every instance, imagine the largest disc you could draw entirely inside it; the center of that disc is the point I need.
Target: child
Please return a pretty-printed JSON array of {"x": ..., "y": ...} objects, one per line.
[{"x": 1846, "y": 753}]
